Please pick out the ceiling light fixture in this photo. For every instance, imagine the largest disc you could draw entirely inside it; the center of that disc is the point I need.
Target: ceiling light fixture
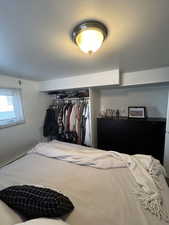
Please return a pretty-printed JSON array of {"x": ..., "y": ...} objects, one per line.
[{"x": 89, "y": 36}]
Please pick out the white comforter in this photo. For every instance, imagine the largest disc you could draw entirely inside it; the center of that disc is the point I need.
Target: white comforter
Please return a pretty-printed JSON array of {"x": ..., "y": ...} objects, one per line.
[
  {"x": 145, "y": 169},
  {"x": 100, "y": 196}
]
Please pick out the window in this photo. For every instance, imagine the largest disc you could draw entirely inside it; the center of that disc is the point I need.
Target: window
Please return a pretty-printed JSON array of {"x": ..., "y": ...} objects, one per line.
[{"x": 11, "y": 111}]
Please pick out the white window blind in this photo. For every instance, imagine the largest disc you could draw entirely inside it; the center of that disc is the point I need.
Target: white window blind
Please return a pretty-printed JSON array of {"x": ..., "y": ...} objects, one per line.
[{"x": 11, "y": 110}]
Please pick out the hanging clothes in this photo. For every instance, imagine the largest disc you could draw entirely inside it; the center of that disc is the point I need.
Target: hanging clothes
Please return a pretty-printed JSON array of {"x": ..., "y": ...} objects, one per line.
[
  {"x": 69, "y": 121},
  {"x": 50, "y": 127},
  {"x": 79, "y": 123},
  {"x": 87, "y": 139},
  {"x": 72, "y": 119}
]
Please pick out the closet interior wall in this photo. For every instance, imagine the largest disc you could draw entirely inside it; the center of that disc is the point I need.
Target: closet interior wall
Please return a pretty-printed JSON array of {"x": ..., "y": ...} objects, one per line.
[{"x": 94, "y": 94}]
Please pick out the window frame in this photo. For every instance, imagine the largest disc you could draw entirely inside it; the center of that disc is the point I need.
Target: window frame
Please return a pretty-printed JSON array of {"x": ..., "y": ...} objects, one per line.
[{"x": 12, "y": 122}]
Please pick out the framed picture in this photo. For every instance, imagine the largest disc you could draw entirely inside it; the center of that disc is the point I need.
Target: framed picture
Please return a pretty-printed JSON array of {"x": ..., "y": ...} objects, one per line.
[{"x": 137, "y": 112}]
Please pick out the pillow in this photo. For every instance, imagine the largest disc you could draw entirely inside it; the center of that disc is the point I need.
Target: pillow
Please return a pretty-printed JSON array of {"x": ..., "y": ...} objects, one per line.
[
  {"x": 34, "y": 202},
  {"x": 43, "y": 221},
  {"x": 8, "y": 216}
]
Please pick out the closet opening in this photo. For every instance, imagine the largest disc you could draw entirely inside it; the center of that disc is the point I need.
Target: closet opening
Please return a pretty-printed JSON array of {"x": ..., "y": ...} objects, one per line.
[{"x": 68, "y": 118}]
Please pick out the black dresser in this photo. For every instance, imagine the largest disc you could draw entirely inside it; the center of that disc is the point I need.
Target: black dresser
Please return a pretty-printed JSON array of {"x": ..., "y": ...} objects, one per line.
[{"x": 132, "y": 136}]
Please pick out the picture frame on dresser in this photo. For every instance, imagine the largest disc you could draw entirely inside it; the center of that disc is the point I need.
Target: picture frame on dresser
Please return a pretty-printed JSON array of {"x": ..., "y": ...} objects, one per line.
[{"x": 137, "y": 112}]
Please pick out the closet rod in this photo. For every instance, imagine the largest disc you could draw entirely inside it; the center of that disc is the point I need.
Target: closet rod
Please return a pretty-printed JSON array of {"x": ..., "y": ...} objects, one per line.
[{"x": 66, "y": 99}]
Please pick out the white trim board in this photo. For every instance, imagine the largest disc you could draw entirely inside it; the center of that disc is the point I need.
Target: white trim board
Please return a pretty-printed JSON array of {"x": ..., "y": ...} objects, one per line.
[
  {"x": 108, "y": 78},
  {"x": 82, "y": 81},
  {"x": 153, "y": 76}
]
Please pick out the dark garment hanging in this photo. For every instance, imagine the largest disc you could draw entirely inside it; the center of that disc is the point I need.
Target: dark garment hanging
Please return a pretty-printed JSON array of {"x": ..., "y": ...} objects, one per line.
[
  {"x": 71, "y": 137},
  {"x": 83, "y": 125},
  {"x": 59, "y": 120},
  {"x": 50, "y": 127}
]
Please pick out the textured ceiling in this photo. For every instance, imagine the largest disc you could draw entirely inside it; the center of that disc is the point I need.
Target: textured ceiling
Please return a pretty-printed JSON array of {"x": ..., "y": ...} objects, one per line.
[{"x": 35, "y": 36}]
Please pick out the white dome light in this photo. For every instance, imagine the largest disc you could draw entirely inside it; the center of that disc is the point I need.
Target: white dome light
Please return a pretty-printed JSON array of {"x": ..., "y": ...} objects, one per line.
[{"x": 89, "y": 36}]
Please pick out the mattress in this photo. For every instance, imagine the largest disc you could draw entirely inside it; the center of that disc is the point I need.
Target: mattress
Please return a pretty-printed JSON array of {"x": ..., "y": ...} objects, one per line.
[{"x": 100, "y": 197}]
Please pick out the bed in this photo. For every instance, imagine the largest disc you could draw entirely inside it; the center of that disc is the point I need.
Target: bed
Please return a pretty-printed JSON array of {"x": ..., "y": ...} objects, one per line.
[{"x": 100, "y": 196}]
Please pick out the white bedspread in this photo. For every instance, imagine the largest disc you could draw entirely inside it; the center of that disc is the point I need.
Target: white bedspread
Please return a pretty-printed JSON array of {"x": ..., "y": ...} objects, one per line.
[
  {"x": 145, "y": 169},
  {"x": 80, "y": 155},
  {"x": 100, "y": 196}
]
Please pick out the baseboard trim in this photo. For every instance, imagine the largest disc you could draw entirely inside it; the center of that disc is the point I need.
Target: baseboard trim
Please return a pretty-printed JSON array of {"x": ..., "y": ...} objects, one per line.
[{"x": 7, "y": 162}]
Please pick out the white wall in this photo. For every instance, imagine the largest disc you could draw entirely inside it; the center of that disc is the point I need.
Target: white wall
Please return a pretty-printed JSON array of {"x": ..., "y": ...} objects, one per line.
[
  {"x": 166, "y": 155},
  {"x": 17, "y": 139},
  {"x": 154, "y": 98}
]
